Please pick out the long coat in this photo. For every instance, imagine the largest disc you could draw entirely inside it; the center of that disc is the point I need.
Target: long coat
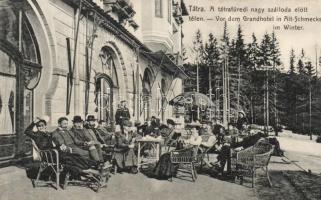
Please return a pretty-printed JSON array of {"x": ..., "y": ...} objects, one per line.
[
  {"x": 122, "y": 114},
  {"x": 124, "y": 156},
  {"x": 68, "y": 138}
]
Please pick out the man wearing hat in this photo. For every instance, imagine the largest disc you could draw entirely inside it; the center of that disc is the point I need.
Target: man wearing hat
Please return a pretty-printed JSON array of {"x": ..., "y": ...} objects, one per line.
[
  {"x": 100, "y": 132},
  {"x": 66, "y": 141},
  {"x": 88, "y": 138}
]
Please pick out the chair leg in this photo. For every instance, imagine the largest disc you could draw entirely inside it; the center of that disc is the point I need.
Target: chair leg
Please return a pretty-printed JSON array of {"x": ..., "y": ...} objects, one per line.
[
  {"x": 253, "y": 178},
  {"x": 115, "y": 166},
  {"x": 35, "y": 182},
  {"x": 268, "y": 176},
  {"x": 57, "y": 178},
  {"x": 192, "y": 171},
  {"x": 195, "y": 172},
  {"x": 66, "y": 181}
]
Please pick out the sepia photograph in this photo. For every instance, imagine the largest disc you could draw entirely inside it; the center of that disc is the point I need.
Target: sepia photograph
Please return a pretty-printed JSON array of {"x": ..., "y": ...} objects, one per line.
[{"x": 160, "y": 99}]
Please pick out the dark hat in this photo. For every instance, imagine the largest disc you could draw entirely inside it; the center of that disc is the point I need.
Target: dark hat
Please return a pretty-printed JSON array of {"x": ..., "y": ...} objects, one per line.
[
  {"x": 170, "y": 121},
  {"x": 137, "y": 123},
  {"x": 77, "y": 118},
  {"x": 153, "y": 117},
  {"x": 91, "y": 118},
  {"x": 128, "y": 123},
  {"x": 122, "y": 101}
]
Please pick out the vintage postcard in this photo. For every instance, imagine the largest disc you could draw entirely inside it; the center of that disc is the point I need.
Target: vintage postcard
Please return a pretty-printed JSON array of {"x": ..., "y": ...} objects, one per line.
[{"x": 160, "y": 99}]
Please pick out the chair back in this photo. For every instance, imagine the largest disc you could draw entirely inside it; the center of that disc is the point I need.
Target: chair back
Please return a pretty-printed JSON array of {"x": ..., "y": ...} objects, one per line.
[{"x": 186, "y": 155}]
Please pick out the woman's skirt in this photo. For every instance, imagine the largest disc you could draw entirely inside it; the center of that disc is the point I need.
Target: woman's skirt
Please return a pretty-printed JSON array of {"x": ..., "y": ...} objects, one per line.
[{"x": 164, "y": 168}]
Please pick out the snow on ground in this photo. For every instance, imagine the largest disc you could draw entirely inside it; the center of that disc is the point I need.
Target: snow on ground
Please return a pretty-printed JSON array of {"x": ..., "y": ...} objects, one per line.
[{"x": 301, "y": 150}]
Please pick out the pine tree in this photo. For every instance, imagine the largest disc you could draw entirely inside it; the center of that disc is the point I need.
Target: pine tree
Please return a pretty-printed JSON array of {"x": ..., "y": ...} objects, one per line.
[
  {"x": 310, "y": 69},
  {"x": 212, "y": 58},
  {"x": 301, "y": 62},
  {"x": 240, "y": 47},
  {"x": 225, "y": 42},
  {"x": 253, "y": 53},
  {"x": 265, "y": 56},
  {"x": 275, "y": 50},
  {"x": 292, "y": 62}
]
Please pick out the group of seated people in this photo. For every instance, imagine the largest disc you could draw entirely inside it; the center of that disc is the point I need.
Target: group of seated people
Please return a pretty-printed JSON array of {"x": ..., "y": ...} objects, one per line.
[
  {"x": 83, "y": 146},
  {"x": 207, "y": 136}
]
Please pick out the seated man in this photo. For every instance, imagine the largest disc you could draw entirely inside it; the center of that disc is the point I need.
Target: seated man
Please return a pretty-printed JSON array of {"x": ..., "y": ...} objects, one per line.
[
  {"x": 101, "y": 133},
  {"x": 41, "y": 137},
  {"x": 124, "y": 149},
  {"x": 87, "y": 138},
  {"x": 225, "y": 152},
  {"x": 72, "y": 156},
  {"x": 66, "y": 141}
]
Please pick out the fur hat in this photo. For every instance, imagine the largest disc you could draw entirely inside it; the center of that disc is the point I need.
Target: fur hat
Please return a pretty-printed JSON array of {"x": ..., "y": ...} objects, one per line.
[{"x": 91, "y": 118}]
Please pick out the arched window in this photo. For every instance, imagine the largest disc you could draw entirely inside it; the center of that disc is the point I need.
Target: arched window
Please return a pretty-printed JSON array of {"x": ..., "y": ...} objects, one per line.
[
  {"x": 104, "y": 99},
  {"x": 18, "y": 52},
  {"x": 146, "y": 94},
  {"x": 106, "y": 82}
]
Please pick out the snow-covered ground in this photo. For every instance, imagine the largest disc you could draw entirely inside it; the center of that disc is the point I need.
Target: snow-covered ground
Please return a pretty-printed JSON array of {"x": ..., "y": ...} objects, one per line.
[
  {"x": 299, "y": 143},
  {"x": 301, "y": 150}
]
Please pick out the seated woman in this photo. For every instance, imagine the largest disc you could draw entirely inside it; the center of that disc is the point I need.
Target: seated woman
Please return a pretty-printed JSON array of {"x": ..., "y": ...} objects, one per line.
[
  {"x": 164, "y": 168},
  {"x": 124, "y": 149},
  {"x": 41, "y": 136}
]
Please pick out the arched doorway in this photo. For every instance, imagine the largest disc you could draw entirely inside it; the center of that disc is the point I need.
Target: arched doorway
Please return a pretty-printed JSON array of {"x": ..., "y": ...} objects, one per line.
[
  {"x": 104, "y": 99},
  {"x": 106, "y": 87},
  {"x": 20, "y": 71},
  {"x": 146, "y": 94}
]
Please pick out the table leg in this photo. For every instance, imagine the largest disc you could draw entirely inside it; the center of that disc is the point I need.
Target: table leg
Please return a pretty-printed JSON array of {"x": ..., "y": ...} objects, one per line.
[
  {"x": 138, "y": 157},
  {"x": 157, "y": 151}
]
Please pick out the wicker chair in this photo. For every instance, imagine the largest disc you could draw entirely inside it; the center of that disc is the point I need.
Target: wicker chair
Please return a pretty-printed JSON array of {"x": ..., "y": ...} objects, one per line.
[
  {"x": 186, "y": 160},
  {"x": 204, "y": 151},
  {"x": 247, "y": 161},
  {"x": 49, "y": 159}
]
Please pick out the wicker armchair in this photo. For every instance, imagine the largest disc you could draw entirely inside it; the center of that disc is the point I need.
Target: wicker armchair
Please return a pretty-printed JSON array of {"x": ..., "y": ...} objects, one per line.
[
  {"x": 186, "y": 160},
  {"x": 204, "y": 151},
  {"x": 49, "y": 159},
  {"x": 247, "y": 161}
]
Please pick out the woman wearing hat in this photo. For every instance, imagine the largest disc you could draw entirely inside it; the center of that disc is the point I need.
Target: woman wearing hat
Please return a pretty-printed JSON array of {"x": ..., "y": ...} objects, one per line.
[
  {"x": 124, "y": 149},
  {"x": 41, "y": 136},
  {"x": 241, "y": 120},
  {"x": 164, "y": 168}
]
